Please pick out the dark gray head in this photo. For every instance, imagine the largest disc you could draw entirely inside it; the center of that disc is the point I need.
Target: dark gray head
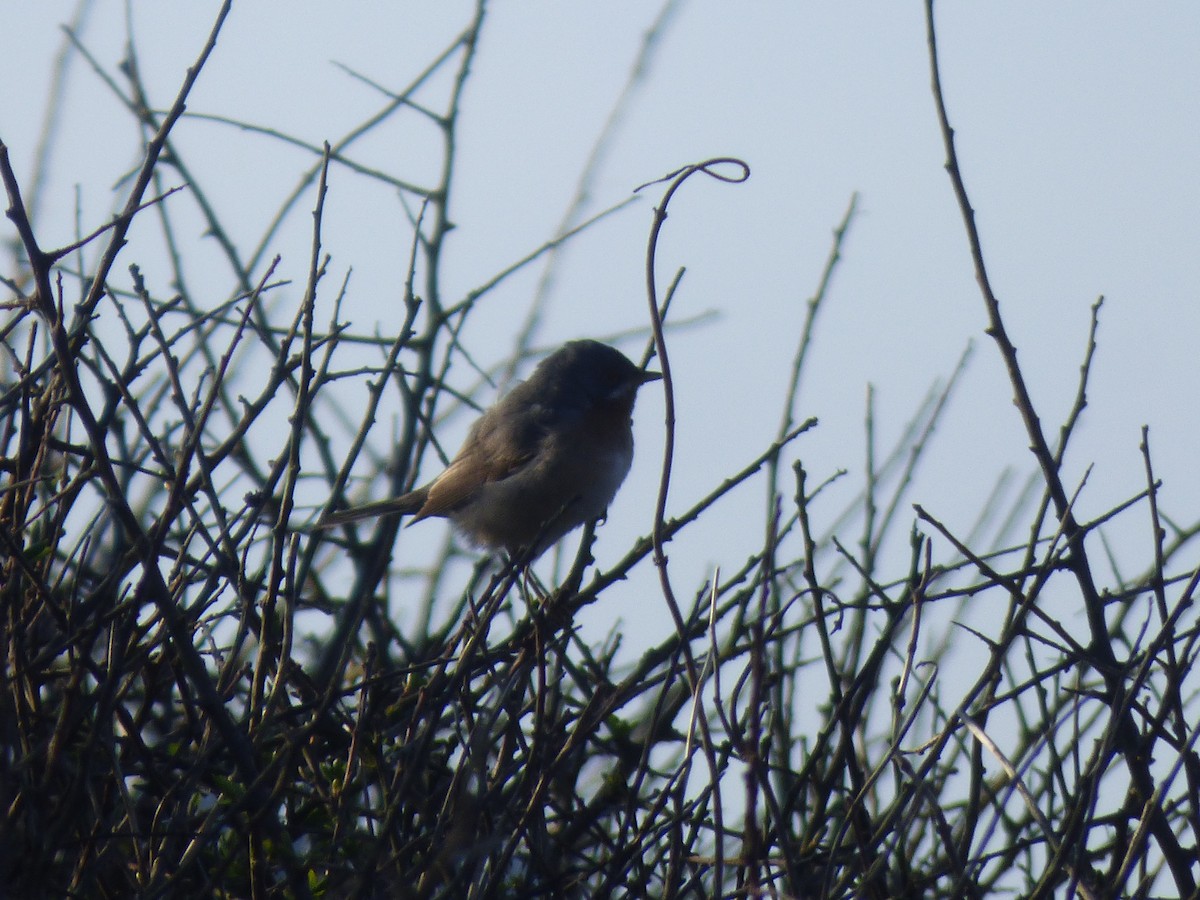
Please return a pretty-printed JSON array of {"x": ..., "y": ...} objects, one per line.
[{"x": 583, "y": 372}]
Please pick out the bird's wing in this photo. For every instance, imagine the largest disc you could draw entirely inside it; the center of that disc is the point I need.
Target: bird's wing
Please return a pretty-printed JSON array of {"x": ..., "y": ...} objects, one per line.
[{"x": 501, "y": 444}]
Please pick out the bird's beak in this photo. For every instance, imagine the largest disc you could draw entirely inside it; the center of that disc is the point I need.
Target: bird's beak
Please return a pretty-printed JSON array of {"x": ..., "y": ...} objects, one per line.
[{"x": 647, "y": 377}]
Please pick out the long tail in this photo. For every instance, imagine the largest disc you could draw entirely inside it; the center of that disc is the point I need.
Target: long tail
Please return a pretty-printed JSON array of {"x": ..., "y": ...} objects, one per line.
[{"x": 403, "y": 506}]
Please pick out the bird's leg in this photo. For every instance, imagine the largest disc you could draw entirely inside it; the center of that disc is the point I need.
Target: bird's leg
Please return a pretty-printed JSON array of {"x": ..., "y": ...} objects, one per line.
[{"x": 532, "y": 589}]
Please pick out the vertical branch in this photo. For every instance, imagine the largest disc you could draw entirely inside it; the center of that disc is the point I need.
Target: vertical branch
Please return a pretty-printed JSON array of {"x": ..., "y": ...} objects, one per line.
[
  {"x": 693, "y": 674},
  {"x": 1101, "y": 643},
  {"x": 1128, "y": 740}
]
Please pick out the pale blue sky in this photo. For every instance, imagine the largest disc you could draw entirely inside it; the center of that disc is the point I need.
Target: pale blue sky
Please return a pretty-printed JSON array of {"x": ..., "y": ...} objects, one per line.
[{"x": 1079, "y": 137}]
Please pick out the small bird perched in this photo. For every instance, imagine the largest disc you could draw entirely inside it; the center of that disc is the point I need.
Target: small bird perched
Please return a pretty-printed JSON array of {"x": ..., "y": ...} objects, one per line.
[{"x": 546, "y": 458}]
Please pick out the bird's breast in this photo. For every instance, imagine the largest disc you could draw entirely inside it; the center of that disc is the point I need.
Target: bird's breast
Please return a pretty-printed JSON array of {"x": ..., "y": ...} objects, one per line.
[
  {"x": 569, "y": 479},
  {"x": 597, "y": 458}
]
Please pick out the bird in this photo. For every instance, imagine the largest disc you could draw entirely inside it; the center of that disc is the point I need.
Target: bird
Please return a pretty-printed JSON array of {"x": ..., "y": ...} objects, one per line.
[{"x": 548, "y": 457}]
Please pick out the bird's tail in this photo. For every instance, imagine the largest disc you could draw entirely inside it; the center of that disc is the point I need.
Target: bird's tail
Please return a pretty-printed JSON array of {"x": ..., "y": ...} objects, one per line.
[{"x": 404, "y": 505}]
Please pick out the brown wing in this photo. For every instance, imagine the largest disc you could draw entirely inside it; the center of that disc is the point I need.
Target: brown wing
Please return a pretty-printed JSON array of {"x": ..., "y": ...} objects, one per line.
[
  {"x": 463, "y": 479},
  {"x": 503, "y": 441}
]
